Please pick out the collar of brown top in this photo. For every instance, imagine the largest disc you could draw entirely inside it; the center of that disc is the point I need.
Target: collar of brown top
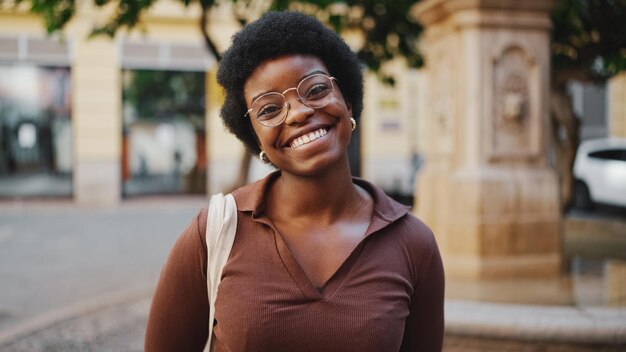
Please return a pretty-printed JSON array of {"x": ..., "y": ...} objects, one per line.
[{"x": 252, "y": 198}]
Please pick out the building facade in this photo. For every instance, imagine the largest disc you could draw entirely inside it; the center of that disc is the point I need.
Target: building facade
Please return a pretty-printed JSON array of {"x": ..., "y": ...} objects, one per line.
[{"x": 102, "y": 119}]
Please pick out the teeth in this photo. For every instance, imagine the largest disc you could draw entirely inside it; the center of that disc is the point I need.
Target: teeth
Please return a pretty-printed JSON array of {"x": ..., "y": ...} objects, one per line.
[{"x": 308, "y": 138}]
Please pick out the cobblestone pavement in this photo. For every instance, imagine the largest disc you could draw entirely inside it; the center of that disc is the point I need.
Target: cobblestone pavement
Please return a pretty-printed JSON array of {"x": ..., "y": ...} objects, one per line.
[
  {"x": 65, "y": 270},
  {"x": 54, "y": 255},
  {"x": 115, "y": 329}
]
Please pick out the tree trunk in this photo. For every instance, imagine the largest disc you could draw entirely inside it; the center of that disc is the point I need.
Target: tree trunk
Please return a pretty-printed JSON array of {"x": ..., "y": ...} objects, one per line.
[
  {"x": 565, "y": 140},
  {"x": 205, "y": 31},
  {"x": 244, "y": 166}
]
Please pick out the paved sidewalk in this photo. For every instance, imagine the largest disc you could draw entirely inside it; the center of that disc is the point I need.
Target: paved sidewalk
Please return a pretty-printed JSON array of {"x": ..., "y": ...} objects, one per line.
[
  {"x": 57, "y": 259},
  {"x": 116, "y": 328},
  {"x": 81, "y": 280}
]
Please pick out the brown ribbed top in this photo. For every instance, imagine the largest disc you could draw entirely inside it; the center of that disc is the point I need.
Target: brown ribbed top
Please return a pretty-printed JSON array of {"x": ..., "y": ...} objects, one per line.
[{"x": 386, "y": 296}]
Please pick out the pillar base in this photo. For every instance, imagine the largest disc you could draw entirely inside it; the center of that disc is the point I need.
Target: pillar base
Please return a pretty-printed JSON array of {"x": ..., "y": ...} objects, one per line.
[
  {"x": 498, "y": 223},
  {"x": 513, "y": 266}
]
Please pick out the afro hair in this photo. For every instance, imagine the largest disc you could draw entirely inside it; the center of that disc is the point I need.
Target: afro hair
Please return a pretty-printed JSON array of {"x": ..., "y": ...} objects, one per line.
[{"x": 278, "y": 34}]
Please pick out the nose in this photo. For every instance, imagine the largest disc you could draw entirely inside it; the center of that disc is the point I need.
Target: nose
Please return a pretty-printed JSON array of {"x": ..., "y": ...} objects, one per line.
[{"x": 297, "y": 112}]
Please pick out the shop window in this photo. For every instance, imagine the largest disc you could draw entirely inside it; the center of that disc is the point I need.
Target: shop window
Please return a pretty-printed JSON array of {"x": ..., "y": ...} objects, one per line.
[
  {"x": 35, "y": 131},
  {"x": 163, "y": 133}
]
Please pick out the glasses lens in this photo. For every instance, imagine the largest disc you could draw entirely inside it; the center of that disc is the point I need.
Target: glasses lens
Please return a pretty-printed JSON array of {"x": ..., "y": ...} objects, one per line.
[
  {"x": 315, "y": 91},
  {"x": 269, "y": 109}
]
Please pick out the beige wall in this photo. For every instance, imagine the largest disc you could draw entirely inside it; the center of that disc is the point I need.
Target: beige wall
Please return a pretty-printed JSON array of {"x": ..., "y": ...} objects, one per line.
[
  {"x": 390, "y": 127},
  {"x": 617, "y": 106}
]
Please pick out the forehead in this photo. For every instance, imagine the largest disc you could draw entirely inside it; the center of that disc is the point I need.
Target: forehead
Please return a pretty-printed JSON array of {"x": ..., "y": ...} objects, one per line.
[{"x": 281, "y": 73}]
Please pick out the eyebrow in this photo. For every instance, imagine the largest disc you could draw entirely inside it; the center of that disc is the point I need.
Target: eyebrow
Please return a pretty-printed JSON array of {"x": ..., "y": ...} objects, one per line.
[{"x": 316, "y": 72}]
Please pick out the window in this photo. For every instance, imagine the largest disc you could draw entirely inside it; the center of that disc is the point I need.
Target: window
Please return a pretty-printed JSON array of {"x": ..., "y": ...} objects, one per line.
[
  {"x": 164, "y": 134},
  {"x": 609, "y": 154},
  {"x": 35, "y": 131}
]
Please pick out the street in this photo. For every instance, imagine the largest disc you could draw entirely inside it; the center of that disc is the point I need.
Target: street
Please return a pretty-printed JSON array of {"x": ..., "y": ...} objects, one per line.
[{"x": 55, "y": 257}]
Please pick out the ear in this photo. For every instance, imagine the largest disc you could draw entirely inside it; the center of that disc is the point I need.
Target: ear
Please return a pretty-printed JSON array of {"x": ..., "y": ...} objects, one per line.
[{"x": 349, "y": 106}]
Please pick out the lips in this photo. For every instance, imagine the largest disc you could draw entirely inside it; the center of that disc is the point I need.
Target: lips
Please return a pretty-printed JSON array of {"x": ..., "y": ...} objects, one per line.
[
  {"x": 308, "y": 138},
  {"x": 305, "y": 135}
]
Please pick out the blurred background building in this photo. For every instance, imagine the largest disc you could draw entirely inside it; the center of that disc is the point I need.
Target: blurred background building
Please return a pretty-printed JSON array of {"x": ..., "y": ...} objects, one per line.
[{"x": 100, "y": 120}]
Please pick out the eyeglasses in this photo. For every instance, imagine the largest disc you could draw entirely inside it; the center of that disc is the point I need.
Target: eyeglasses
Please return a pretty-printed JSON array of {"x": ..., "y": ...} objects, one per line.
[{"x": 271, "y": 109}]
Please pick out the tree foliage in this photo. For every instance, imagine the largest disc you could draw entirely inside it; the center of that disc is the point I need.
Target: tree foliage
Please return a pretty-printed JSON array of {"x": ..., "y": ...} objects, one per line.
[
  {"x": 387, "y": 29},
  {"x": 55, "y": 13},
  {"x": 162, "y": 94},
  {"x": 588, "y": 45},
  {"x": 588, "y": 39}
]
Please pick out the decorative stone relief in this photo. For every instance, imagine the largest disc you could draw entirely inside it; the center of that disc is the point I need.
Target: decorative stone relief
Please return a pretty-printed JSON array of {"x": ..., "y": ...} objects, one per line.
[
  {"x": 515, "y": 103},
  {"x": 513, "y": 114}
]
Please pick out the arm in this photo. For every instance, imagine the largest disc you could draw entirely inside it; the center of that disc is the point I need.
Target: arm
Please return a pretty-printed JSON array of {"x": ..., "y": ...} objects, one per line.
[
  {"x": 178, "y": 319},
  {"x": 424, "y": 327}
]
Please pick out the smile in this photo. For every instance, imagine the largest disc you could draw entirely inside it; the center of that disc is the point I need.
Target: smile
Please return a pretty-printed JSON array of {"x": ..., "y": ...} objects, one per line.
[{"x": 308, "y": 138}]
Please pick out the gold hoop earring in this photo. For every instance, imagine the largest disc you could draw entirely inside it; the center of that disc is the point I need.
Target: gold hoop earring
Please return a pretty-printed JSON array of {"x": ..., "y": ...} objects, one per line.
[
  {"x": 353, "y": 122},
  {"x": 263, "y": 157}
]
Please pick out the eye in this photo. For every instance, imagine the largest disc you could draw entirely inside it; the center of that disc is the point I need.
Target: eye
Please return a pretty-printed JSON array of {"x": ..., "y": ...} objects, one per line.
[
  {"x": 268, "y": 111},
  {"x": 317, "y": 91}
]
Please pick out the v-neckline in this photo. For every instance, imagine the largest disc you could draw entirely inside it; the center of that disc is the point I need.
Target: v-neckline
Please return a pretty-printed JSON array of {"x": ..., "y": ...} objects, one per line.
[
  {"x": 336, "y": 280},
  {"x": 304, "y": 282}
]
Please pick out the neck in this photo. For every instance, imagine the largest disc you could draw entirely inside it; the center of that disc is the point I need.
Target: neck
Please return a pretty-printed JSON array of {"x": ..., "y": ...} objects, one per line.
[{"x": 323, "y": 197}]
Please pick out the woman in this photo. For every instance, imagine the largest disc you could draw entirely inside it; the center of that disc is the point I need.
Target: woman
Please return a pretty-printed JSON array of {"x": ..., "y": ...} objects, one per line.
[{"x": 321, "y": 261}]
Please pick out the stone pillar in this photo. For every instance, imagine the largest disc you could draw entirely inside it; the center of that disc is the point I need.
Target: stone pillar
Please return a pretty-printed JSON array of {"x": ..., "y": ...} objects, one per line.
[
  {"x": 486, "y": 189},
  {"x": 96, "y": 115}
]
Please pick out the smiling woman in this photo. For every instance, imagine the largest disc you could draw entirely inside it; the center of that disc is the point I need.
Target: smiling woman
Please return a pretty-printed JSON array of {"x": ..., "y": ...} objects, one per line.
[
  {"x": 289, "y": 145},
  {"x": 321, "y": 261}
]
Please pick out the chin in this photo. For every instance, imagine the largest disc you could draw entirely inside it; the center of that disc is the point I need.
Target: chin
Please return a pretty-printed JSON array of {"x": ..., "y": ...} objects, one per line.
[{"x": 316, "y": 166}]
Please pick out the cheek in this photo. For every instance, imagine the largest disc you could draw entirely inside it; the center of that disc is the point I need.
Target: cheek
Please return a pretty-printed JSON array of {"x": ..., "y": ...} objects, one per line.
[
  {"x": 336, "y": 109},
  {"x": 340, "y": 106},
  {"x": 265, "y": 136}
]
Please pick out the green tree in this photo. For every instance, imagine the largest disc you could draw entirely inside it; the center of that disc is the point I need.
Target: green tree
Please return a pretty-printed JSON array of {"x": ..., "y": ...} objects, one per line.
[
  {"x": 165, "y": 94},
  {"x": 386, "y": 28},
  {"x": 588, "y": 45}
]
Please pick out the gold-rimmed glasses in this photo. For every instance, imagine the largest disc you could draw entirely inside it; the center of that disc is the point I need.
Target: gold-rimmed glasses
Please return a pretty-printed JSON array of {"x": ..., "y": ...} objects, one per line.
[{"x": 314, "y": 91}]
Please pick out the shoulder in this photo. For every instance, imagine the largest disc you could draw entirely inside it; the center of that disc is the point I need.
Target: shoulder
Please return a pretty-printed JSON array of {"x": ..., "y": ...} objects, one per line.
[
  {"x": 192, "y": 242},
  {"x": 189, "y": 249},
  {"x": 398, "y": 218},
  {"x": 418, "y": 244},
  {"x": 415, "y": 232}
]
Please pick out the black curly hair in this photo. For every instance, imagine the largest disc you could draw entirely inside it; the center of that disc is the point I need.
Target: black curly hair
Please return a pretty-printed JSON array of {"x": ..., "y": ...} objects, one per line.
[{"x": 277, "y": 34}]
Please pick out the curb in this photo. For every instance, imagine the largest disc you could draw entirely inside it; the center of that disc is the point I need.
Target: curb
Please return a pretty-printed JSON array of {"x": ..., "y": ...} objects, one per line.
[
  {"x": 66, "y": 313},
  {"x": 592, "y": 325}
]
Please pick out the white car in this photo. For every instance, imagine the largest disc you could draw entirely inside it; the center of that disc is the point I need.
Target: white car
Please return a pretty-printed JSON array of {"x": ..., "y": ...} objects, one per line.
[{"x": 600, "y": 173}]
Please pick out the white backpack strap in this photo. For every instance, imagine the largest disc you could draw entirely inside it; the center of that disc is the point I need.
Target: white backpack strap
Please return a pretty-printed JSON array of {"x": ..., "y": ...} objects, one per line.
[{"x": 221, "y": 226}]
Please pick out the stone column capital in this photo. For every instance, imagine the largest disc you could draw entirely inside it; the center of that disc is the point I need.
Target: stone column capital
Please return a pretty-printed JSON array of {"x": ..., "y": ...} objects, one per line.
[{"x": 430, "y": 12}]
